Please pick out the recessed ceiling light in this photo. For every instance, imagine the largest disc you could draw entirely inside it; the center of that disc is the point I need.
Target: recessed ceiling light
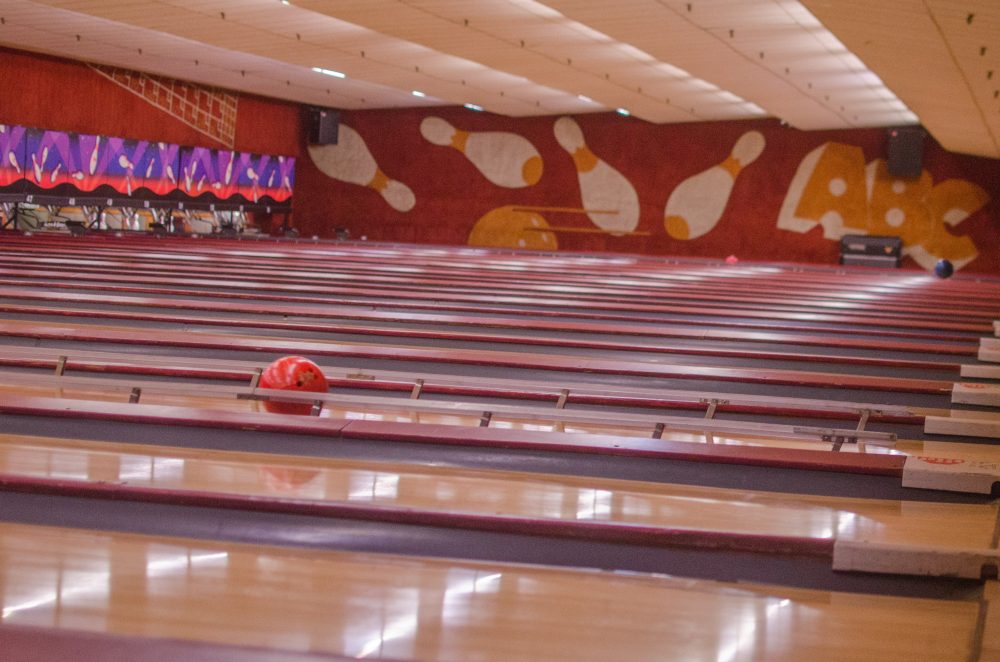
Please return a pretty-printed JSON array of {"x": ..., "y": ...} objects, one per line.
[
  {"x": 329, "y": 72},
  {"x": 418, "y": 93},
  {"x": 584, "y": 97},
  {"x": 623, "y": 111},
  {"x": 285, "y": 2},
  {"x": 472, "y": 106}
]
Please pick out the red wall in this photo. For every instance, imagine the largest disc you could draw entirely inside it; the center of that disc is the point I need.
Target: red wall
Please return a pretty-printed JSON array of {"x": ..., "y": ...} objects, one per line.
[
  {"x": 451, "y": 194},
  {"x": 54, "y": 93}
]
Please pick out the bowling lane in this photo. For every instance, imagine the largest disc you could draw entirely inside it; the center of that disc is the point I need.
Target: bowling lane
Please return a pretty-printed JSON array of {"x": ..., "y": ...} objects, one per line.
[
  {"x": 602, "y": 293},
  {"x": 450, "y": 412},
  {"x": 526, "y": 309},
  {"x": 443, "y": 261},
  {"x": 363, "y": 605},
  {"x": 627, "y": 411},
  {"x": 27, "y": 300},
  {"x": 912, "y": 359},
  {"x": 885, "y": 389},
  {"x": 554, "y": 297},
  {"x": 503, "y": 497}
]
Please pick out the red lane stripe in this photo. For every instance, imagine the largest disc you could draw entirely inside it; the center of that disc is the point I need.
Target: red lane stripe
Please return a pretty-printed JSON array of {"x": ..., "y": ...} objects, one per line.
[{"x": 612, "y": 532}]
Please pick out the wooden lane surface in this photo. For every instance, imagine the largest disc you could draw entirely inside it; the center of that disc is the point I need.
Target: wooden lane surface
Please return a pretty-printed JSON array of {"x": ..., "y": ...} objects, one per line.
[
  {"x": 637, "y": 273},
  {"x": 652, "y": 369},
  {"x": 333, "y": 321},
  {"x": 315, "y": 432},
  {"x": 503, "y": 498},
  {"x": 398, "y": 414},
  {"x": 413, "y": 282},
  {"x": 171, "y": 320},
  {"x": 311, "y": 435},
  {"x": 638, "y": 278},
  {"x": 365, "y": 605},
  {"x": 532, "y": 303},
  {"x": 554, "y": 296},
  {"x": 136, "y": 367},
  {"x": 956, "y": 333}
]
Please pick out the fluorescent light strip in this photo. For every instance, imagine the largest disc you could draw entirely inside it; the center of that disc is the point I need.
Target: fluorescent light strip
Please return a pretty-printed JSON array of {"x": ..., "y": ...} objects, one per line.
[{"x": 329, "y": 72}]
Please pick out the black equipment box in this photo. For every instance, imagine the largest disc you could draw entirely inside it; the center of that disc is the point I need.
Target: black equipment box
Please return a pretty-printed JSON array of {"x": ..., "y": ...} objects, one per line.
[{"x": 871, "y": 250}]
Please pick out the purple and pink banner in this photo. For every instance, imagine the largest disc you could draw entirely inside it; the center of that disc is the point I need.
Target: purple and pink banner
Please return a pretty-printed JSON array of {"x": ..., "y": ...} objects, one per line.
[{"x": 61, "y": 163}]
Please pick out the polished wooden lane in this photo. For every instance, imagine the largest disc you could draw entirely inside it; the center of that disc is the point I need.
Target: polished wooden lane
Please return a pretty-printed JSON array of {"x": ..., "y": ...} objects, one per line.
[
  {"x": 338, "y": 316},
  {"x": 269, "y": 269},
  {"x": 507, "y": 360},
  {"x": 692, "y": 344},
  {"x": 504, "y": 497},
  {"x": 454, "y": 411},
  {"x": 955, "y": 332},
  {"x": 365, "y": 605},
  {"x": 509, "y": 303},
  {"x": 561, "y": 393}
]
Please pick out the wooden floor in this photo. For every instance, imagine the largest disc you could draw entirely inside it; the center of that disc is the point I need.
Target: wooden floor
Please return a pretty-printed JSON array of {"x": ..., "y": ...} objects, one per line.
[
  {"x": 506, "y": 495},
  {"x": 465, "y": 370},
  {"x": 380, "y": 606}
]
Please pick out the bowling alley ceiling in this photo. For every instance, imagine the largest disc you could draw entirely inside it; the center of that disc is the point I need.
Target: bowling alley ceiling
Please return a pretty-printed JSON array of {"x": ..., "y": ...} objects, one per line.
[{"x": 815, "y": 64}]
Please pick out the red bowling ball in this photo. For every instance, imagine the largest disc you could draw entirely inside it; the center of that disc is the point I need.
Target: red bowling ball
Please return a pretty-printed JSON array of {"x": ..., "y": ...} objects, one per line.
[{"x": 292, "y": 373}]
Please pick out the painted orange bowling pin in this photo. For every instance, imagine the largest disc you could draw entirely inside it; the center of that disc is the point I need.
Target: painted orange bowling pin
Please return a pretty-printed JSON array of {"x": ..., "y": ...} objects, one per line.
[
  {"x": 504, "y": 158},
  {"x": 350, "y": 161},
  {"x": 696, "y": 205},
  {"x": 601, "y": 186}
]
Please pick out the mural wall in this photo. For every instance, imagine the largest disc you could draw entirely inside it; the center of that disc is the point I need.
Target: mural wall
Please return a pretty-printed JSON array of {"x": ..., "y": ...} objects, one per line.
[
  {"x": 753, "y": 189},
  {"x": 38, "y": 161}
]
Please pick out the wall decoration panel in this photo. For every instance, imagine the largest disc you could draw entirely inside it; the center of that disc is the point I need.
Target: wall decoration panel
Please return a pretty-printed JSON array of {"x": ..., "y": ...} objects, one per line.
[{"x": 754, "y": 189}]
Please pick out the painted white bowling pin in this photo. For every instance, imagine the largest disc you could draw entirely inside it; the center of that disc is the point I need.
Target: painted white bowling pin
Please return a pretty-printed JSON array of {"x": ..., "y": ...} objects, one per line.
[
  {"x": 350, "y": 161},
  {"x": 504, "y": 158},
  {"x": 129, "y": 166},
  {"x": 696, "y": 205},
  {"x": 603, "y": 189},
  {"x": 93, "y": 155}
]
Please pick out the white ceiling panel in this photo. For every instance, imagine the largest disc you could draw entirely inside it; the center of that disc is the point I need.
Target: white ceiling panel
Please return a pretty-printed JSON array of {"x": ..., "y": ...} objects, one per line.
[{"x": 816, "y": 64}]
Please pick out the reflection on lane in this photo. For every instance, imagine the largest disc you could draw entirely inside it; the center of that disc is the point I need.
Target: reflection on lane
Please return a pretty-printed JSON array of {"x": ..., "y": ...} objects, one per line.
[
  {"x": 503, "y": 494},
  {"x": 367, "y": 605}
]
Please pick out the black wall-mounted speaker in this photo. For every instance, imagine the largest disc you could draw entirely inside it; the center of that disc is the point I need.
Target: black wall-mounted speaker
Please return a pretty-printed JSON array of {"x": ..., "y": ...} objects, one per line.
[
  {"x": 905, "y": 151},
  {"x": 324, "y": 125}
]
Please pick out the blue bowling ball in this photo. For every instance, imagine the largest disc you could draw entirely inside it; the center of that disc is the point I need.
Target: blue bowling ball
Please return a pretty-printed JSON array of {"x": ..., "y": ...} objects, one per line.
[{"x": 944, "y": 269}]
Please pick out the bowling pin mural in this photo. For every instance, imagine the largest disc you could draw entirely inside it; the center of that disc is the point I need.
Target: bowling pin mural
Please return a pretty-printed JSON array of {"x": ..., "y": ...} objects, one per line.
[
  {"x": 504, "y": 158},
  {"x": 350, "y": 161},
  {"x": 696, "y": 205},
  {"x": 610, "y": 199},
  {"x": 834, "y": 188},
  {"x": 11, "y": 146}
]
